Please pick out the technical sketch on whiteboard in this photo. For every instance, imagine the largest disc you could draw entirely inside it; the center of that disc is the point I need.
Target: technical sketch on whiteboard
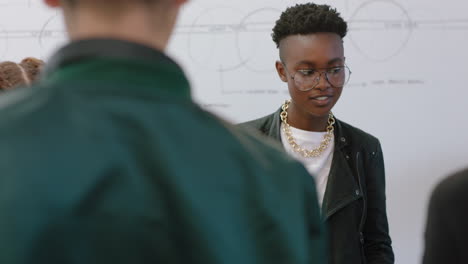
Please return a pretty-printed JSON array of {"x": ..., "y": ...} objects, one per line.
[
  {"x": 220, "y": 45},
  {"x": 230, "y": 43},
  {"x": 254, "y": 45},
  {"x": 380, "y": 29},
  {"x": 52, "y": 34},
  {"x": 226, "y": 38}
]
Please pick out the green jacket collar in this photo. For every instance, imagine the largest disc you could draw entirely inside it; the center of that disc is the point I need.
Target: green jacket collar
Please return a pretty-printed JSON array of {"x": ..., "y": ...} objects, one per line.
[{"x": 118, "y": 61}]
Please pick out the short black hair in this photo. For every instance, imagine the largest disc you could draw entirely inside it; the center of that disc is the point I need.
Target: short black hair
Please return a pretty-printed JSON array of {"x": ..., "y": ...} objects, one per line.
[{"x": 303, "y": 19}]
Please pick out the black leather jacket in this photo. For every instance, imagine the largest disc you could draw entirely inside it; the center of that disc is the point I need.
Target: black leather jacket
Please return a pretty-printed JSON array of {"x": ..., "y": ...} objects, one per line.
[{"x": 354, "y": 206}]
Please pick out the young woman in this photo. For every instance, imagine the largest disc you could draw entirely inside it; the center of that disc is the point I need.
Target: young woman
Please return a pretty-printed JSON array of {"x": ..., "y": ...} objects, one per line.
[{"x": 346, "y": 162}]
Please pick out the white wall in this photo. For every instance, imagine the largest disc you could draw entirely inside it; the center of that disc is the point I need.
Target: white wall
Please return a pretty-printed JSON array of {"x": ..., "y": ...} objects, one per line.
[{"x": 408, "y": 88}]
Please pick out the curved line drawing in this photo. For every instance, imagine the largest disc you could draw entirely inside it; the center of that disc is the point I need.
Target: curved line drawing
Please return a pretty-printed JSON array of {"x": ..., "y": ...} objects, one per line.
[
  {"x": 381, "y": 24},
  {"x": 257, "y": 27},
  {"x": 46, "y": 33},
  {"x": 212, "y": 29},
  {"x": 42, "y": 31}
]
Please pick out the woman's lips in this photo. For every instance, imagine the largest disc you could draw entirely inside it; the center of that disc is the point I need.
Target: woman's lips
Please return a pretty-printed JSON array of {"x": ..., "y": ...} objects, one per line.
[{"x": 321, "y": 100}]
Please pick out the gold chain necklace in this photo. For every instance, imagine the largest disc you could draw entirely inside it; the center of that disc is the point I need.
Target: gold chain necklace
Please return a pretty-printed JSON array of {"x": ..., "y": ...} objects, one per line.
[{"x": 296, "y": 148}]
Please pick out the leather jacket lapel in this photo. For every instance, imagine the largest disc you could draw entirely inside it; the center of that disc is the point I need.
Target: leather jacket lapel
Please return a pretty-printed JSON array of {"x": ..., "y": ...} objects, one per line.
[
  {"x": 342, "y": 188},
  {"x": 274, "y": 129}
]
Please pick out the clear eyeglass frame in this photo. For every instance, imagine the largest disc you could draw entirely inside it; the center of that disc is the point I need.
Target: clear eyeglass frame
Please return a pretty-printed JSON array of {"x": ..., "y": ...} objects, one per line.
[{"x": 308, "y": 79}]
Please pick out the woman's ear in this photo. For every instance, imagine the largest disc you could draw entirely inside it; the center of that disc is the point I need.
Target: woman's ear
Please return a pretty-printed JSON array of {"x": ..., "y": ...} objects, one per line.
[{"x": 281, "y": 71}]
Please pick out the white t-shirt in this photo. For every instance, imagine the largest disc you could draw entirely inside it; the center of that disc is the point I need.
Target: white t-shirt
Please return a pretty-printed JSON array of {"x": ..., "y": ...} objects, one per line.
[{"x": 319, "y": 166}]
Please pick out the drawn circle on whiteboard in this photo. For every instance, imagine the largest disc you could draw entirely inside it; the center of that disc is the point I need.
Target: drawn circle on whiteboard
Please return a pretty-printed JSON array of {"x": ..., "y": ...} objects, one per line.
[
  {"x": 380, "y": 29},
  {"x": 212, "y": 39},
  {"x": 3, "y": 42},
  {"x": 52, "y": 35},
  {"x": 254, "y": 44}
]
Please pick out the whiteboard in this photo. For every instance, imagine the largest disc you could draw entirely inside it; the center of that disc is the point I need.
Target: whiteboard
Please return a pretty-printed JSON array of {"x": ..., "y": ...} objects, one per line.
[{"x": 408, "y": 87}]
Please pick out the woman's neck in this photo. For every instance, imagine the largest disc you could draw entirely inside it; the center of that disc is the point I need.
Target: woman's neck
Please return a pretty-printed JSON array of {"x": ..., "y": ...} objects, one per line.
[{"x": 305, "y": 121}]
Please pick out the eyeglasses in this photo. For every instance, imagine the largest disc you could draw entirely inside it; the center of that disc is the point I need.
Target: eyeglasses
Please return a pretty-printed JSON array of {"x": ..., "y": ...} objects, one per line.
[{"x": 308, "y": 79}]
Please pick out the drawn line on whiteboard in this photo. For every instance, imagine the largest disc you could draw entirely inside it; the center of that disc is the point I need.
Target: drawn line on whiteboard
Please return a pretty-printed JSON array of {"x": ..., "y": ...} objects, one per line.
[
  {"x": 253, "y": 22},
  {"x": 401, "y": 35},
  {"x": 240, "y": 50}
]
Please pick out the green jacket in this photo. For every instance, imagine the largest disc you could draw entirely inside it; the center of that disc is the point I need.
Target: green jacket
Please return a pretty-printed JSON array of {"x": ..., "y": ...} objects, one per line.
[
  {"x": 354, "y": 204},
  {"x": 108, "y": 160}
]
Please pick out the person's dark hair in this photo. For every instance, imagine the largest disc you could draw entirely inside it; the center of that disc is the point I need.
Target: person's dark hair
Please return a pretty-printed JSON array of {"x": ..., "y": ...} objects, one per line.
[
  {"x": 12, "y": 75},
  {"x": 303, "y": 19},
  {"x": 32, "y": 66}
]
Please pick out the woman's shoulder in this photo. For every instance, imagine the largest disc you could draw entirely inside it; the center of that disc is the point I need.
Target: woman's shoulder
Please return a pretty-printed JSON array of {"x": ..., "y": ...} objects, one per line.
[
  {"x": 453, "y": 188},
  {"x": 356, "y": 135},
  {"x": 260, "y": 123}
]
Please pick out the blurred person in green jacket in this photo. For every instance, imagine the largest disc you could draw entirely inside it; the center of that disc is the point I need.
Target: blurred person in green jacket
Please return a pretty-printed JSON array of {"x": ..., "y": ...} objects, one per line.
[{"x": 109, "y": 160}]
